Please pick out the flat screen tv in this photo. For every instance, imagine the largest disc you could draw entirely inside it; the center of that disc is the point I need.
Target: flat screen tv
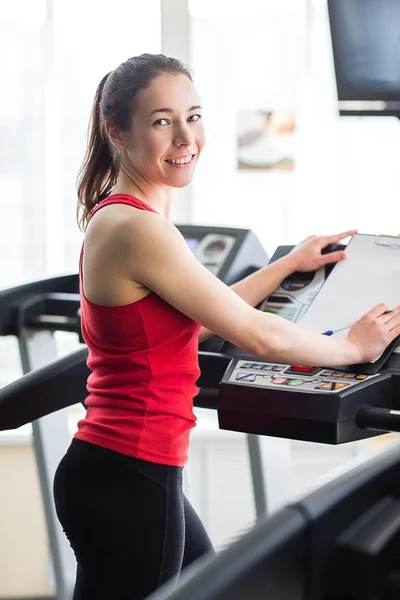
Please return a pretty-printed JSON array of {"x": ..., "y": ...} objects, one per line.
[{"x": 366, "y": 51}]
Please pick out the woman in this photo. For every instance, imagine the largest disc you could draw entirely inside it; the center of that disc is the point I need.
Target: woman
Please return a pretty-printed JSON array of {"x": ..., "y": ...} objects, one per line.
[{"x": 146, "y": 303}]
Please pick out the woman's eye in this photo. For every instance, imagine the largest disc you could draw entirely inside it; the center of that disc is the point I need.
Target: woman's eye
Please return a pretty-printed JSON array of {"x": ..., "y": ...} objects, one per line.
[
  {"x": 195, "y": 118},
  {"x": 161, "y": 122}
]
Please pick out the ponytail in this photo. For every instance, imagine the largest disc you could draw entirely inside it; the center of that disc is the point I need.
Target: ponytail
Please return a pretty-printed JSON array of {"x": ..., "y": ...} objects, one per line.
[{"x": 98, "y": 173}]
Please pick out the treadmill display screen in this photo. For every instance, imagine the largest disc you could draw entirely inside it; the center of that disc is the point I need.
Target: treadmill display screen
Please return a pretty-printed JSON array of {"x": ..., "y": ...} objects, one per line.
[{"x": 192, "y": 243}]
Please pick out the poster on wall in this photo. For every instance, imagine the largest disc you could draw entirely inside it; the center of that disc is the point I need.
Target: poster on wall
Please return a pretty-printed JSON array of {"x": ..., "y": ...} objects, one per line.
[{"x": 265, "y": 139}]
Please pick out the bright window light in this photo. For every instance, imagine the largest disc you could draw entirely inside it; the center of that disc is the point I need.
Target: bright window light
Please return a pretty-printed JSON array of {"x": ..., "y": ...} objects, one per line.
[
  {"x": 23, "y": 12},
  {"x": 232, "y": 8}
]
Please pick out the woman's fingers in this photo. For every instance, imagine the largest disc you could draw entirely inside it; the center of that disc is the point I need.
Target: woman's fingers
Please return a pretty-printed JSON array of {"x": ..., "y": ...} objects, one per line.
[
  {"x": 378, "y": 311},
  {"x": 395, "y": 331},
  {"x": 392, "y": 318},
  {"x": 387, "y": 315},
  {"x": 334, "y": 239},
  {"x": 333, "y": 257}
]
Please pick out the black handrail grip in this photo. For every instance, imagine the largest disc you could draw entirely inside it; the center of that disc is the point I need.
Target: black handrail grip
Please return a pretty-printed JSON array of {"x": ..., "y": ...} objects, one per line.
[{"x": 378, "y": 419}]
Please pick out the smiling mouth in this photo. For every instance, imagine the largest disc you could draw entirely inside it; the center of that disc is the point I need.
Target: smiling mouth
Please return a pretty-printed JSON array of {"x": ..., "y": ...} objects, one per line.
[{"x": 185, "y": 160}]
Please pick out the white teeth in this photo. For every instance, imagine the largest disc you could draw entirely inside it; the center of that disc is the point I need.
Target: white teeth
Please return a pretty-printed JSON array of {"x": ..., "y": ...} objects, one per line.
[{"x": 181, "y": 161}]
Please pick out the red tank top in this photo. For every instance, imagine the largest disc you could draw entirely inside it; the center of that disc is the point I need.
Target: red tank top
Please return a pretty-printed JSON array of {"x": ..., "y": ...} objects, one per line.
[{"x": 144, "y": 363}]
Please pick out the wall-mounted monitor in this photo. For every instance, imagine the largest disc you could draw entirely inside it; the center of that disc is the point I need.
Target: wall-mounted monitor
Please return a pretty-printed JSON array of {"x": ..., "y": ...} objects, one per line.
[{"x": 366, "y": 51}]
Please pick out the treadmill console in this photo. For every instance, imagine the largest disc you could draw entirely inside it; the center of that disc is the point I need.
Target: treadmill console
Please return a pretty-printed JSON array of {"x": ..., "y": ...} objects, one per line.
[
  {"x": 311, "y": 403},
  {"x": 229, "y": 254},
  {"x": 306, "y": 379},
  {"x": 212, "y": 250},
  {"x": 294, "y": 295},
  {"x": 314, "y": 404}
]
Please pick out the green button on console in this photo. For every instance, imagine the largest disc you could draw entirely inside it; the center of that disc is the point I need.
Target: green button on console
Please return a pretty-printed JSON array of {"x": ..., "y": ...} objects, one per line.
[{"x": 295, "y": 382}]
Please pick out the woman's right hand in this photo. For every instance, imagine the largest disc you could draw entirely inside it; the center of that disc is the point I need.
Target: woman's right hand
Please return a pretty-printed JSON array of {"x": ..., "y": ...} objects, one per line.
[{"x": 375, "y": 331}]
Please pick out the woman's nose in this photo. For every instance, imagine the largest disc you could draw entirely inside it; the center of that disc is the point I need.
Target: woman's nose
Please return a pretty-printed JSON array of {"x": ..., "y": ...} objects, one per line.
[{"x": 183, "y": 136}]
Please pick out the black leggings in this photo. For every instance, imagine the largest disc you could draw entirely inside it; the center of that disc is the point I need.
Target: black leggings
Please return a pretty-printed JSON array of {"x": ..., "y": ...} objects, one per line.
[{"x": 127, "y": 520}]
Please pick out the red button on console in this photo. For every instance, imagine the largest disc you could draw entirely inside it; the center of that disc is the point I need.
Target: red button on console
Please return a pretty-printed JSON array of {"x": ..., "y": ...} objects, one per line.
[{"x": 303, "y": 369}]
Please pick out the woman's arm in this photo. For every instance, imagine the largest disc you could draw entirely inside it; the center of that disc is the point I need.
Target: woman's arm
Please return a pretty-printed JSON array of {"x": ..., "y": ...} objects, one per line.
[
  {"x": 152, "y": 252},
  {"x": 257, "y": 286}
]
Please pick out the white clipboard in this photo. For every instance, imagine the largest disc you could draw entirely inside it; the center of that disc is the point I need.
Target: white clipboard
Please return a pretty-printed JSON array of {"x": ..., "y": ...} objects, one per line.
[{"x": 370, "y": 274}]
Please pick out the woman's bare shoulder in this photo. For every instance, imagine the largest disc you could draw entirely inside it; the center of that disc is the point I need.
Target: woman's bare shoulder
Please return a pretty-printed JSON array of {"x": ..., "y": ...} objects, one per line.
[
  {"x": 122, "y": 235},
  {"x": 116, "y": 223}
]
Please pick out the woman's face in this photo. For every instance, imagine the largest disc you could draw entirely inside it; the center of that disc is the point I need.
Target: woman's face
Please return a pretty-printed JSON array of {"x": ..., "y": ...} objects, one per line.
[{"x": 167, "y": 134}]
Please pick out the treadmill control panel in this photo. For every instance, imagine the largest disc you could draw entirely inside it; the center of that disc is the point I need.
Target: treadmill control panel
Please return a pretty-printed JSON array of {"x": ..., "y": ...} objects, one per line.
[
  {"x": 294, "y": 295},
  {"x": 302, "y": 378},
  {"x": 211, "y": 250}
]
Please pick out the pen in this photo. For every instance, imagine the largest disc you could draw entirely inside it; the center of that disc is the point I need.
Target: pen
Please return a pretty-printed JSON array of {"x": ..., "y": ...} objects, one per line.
[{"x": 332, "y": 331}]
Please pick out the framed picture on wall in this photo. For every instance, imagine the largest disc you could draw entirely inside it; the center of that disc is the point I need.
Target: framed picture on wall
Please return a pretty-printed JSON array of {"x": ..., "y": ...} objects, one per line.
[{"x": 265, "y": 139}]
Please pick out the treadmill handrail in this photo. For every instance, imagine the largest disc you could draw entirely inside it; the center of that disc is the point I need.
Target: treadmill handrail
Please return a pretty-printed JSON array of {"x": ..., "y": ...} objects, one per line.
[
  {"x": 376, "y": 418},
  {"x": 12, "y": 298},
  {"x": 57, "y": 385}
]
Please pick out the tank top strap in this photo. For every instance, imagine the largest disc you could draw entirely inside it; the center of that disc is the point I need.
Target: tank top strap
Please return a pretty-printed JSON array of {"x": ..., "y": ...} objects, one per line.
[
  {"x": 123, "y": 199},
  {"x": 114, "y": 199}
]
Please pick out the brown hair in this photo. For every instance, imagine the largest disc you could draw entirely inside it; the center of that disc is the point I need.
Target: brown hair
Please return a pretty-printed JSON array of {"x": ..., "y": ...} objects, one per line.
[{"x": 113, "y": 102}]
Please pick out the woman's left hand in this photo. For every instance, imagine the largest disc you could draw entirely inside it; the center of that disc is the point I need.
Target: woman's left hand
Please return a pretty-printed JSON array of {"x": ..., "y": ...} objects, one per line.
[{"x": 307, "y": 256}]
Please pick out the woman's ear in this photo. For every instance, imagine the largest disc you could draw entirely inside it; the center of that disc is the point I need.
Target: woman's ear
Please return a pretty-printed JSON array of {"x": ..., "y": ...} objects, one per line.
[{"x": 114, "y": 135}]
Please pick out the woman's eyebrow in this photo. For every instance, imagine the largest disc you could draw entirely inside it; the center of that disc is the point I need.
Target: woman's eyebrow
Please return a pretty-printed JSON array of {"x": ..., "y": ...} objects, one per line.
[{"x": 170, "y": 110}]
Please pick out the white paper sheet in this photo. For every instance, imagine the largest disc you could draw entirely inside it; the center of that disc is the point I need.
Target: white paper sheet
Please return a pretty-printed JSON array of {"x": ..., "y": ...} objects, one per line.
[{"x": 369, "y": 275}]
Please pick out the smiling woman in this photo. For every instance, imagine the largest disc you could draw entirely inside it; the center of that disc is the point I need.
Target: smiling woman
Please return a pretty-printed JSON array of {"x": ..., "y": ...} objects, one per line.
[
  {"x": 145, "y": 139},
  {"x": 146, "y": 302}
]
